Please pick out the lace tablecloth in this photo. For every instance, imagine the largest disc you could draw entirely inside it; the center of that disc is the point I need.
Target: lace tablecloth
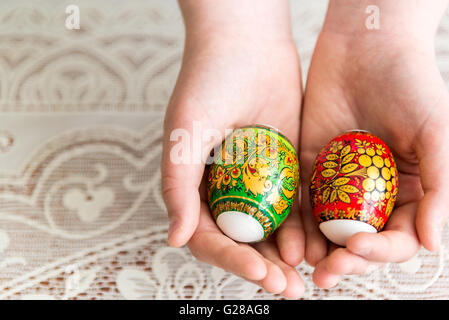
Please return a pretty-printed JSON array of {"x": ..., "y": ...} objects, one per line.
[{"x": 81, "y": 215}]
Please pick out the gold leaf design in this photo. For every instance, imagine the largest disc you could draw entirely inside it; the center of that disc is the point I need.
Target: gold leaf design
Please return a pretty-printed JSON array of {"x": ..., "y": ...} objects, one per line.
[
  {"x": 341, "y": 181},
  {"x": 328, "y": 173},
  {"x": 343, "y": 196},
  {"x": 332, "y": 157},
  {"x": 333, "y": 196},
  {"x": 255, "y": 175},
  {"x": 330, "y": 164},
  {"x": 313, "y": 175},
  {"x": 236, "y": 172},
  {"x": 335, "y": 146},
  {"x": 380, "y": 150},
  {"x": 279, "y": 204},
  {"x": 326, "y": 194},
  {"x": 348, "y": 158},
  {"x": 338, "y": 168},
  {"x": 288, "y": 173},
  {"x": 345, "y": 150},
  {"x": 349, "y": 189},
  {"x": 359, "y": 172},
  {"x": 226, "y": 179},
  {"x": 349, "y": 168}
]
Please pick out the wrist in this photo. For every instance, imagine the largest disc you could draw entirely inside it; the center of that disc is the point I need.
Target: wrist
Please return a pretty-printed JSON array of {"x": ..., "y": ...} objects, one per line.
[
  {"x": 254, "y": 20},
  {"x": 399, "y": 21}
]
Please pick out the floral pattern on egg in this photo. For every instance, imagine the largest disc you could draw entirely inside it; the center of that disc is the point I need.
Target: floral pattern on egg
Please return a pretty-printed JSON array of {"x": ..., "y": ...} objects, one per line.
[
  {"x": 256, "y": 173},
  {"x": 354, "y": 177}
]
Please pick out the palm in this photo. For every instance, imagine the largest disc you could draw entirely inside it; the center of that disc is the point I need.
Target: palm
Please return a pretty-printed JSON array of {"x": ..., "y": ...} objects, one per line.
[
  {"x": 222, "y": 88},
  {"x": 395, "y": 96}
]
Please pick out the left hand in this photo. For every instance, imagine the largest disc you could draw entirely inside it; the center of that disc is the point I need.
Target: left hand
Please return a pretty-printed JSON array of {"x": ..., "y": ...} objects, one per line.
[{"x": 387, "y": 83}]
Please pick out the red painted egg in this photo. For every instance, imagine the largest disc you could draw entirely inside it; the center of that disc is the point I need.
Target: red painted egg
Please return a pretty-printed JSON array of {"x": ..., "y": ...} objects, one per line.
[{"x": 353, "y": 186}]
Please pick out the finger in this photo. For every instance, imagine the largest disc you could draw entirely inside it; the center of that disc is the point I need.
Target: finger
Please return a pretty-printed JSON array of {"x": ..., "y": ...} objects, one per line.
[
  {"x": 275, "y": 280},
  {"x": 183, "y": 163},
  {"x": 290, "y": 238},
  {"x": 324, "y": 279},
  {"x": 208, "y": 244},
  {"x": 399, "y": 242},
  {"x": 433, "y": 211},
  {"x": 293, "y": 287},
  {"x": 340, "y": 262},
  {"x": 182, "y": 200},
  {"x": 316, "y": 243}
]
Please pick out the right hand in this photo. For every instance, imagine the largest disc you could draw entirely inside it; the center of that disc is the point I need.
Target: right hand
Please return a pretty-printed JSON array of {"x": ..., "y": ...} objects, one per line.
[{"x": 385, "y": 81}]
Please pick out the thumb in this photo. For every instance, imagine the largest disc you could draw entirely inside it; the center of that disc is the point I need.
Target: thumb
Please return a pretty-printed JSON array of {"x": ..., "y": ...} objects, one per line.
[
  {"x": 185, "y": 151},
  {"x": 433, "y": 210}
]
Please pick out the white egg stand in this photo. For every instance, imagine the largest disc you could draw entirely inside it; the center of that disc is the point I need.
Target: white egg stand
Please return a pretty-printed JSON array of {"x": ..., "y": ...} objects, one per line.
[
  {"x": 339, "y": 230},
  {"x": 240, "y": 226}
]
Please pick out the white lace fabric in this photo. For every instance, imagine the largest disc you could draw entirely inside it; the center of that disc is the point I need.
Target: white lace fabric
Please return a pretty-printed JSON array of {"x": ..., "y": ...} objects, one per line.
[{"x": 81, "y": 215}]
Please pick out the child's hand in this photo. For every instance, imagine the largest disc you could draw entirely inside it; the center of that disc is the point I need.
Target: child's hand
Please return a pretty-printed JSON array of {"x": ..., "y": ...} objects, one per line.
[
  {"x": 242, "y": 72},
  {"x": 385, "y": 81}
]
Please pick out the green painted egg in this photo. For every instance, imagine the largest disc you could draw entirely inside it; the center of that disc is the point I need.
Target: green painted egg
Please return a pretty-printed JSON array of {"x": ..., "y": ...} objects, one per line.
[{"x": 252, "y": 183}]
